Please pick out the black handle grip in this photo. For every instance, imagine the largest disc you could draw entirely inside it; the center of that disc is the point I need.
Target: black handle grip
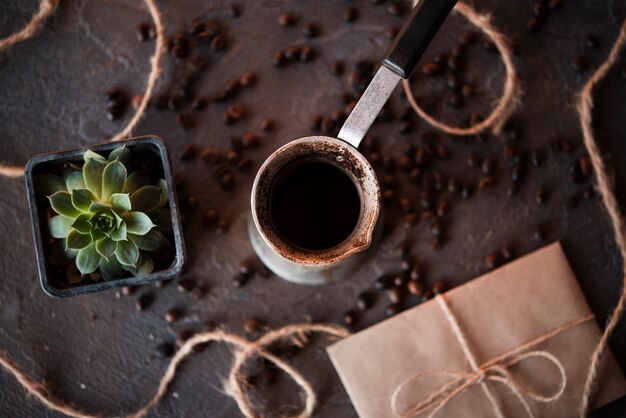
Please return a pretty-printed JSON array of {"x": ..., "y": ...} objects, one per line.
[{"x": 416, "y": 33}]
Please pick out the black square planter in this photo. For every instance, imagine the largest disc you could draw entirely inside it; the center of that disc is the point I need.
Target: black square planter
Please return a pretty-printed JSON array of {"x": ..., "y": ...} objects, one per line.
[{"x": 149, "y": 150}]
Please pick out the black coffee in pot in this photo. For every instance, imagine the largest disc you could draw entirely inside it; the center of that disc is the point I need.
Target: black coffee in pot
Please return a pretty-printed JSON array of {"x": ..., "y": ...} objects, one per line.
[{"x": 314, "y": 205}]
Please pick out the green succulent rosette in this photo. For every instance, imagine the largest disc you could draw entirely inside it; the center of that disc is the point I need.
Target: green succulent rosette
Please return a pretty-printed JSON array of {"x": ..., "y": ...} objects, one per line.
[{"x": 106, "y": 219}]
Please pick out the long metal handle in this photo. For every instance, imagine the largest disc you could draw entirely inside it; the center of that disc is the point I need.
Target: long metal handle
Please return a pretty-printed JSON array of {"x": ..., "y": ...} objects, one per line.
[
  {"x": 416, "y": 34},
  {"x": 400, "y": 60}
]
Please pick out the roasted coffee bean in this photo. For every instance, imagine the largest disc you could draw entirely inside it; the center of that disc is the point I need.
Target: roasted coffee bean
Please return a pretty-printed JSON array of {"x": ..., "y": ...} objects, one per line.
[
  {"x": 536, "y": 158},
  {"x": 127, "y": 290},
  {"x": 350, "y": 14},
  {"x": 210, "y": 325},
  {"x": 467, "y": 191},
  {"x": 115, "y": 111},
  {"x": 454, "y": 63},
  {"x": 533, "y": 24},
  {"x": 467, "y": 37},
  {"x": 383, "y": 282},
  {"x": 279, "y": 59},
  {"x": 185, "y": 120},
  {"x": 246, "y": 269},
  {"x": 554, "y": 4},
  {"x": 189, "y": 152},
  {"x": 364, "y": 301},
  {"x": 236, "y": 111},
  {"x": 485, "y": 183},
  {"x": 431, "y": 69},
  {"x": 232, "y": 156},
  {"x": 473, "y": 161},
  {"x": 211, "y": 155},
  {"x": 252, "y": 326},
  {"x": 146, "y": 31},
  {"x": 286, "y": 20},
  {"x": 392, "y": 310},
  {"x": 307, "y": 53},
  {"x": 247, "y": 79},
  {"x": 443, "y": 151},
  {"x": 222, "y": 224},
  {"x": 541, "y": 195},
  {"x": 395, "y": 295},
  {"x": 198, "y": 293},
  {"x": 409, "y": 220},
  {"x": 219, "y": 44},
  {"x": 492, "y": 261},
  {"x": 233, "y": 10},
  {"x": 310, "y": 30},
  {"x": 427, "y": 215},
  {"x": 327, "y": 125},
  {"x": 438, "y": 287},
  {"x": 196, "y": 27},
  {"x": 395, "y": 8},
  {"x": 442, "y": 208},
  {"x": 415, "y": 175},
  {"x": 349, "y": 318},
  {"x": 183, "y": 336},
  {"x": 453, "y": 185},
  {"x": 172, "y": 315},
  {"x": 144, "y": 301},
  {"x": 232, "y": 87},
  {"x": 405, "y": 204},
  {"x": 336, "y": 68},
  {"x": 292, "y": 53},
  {"x": 250, "y": 140},
  {"x": 338, "y": 116},
  {"x": 585, "y": 165},
  {"x": 391, "y": 32},
  {"x": 415, "y": 287},
  {"x": 507, "y": 253},
  {"x": 488, "y": 166},
  {"x": 166, "y": 349},
  {"x": 512, "y": 189},
  {"x": 244, "y": 164},
  {"x": 436, "y": 229},
  {"x": 400, "y": 280},
  {"x": 436, "y": 243},
  {"x": 199, "y": 103},
  {"x": 579, "y": 64},
  {"x": 539, "y": 9},
  {"x": 185, "y": 285},
  {"x": 266, "y": 125},
  {"x": 456, "y": 100}
]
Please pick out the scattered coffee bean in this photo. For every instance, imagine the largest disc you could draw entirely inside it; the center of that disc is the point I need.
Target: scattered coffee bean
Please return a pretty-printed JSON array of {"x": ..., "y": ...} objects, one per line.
[
  {"x": 395, "y": 295},
  {"x": 310, "y": 30},
  {"x": 541, "y": 195},
  {"x": 579, "y": 64},
  {"x": 336, "y": 68},
  {"x": 395, "y": 8},
  {"x": 233, "y": 10},
  {"x": 219, "y": 44},
  {"x": 145, "y": 32},
  {"x": 185, "y": 120},
  {"x": 391, "y": 32},
  {"x": 349, "y": 318},
  {"x": 485, "y": 183},
  {"x": 364, "y": 301},
  {"x": 236, "y": 111},
  {"x": 247, "y": 79},
  {"x": 252, "y": 326},
  {"x": 185, "y": 285},
  {"x": 307, "y": 54},
  {"x": 266, "y": 125},
  {"x": 492, "y": 261},
  {"x": 350, "y": 14},
  {"x": 166, "y": 349},
  {"x": 392, "y": 310},
  {"x": 533, "y": 24},
  {"x": 431, "y": 69},
  {"x": 172, "y": 315},
  {"x": 383, "y": 282},
  {"x": 144, "y": 301},
  {"x": 415, "y": 287},
  {"x": 286, "y": 20},
  {"x": 279, "y": 59}
]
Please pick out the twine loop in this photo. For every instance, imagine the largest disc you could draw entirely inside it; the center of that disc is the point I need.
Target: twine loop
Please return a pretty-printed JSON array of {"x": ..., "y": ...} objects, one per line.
[
  {"x": 495, "y": 370},
  {"x": 511, "y": 92}
]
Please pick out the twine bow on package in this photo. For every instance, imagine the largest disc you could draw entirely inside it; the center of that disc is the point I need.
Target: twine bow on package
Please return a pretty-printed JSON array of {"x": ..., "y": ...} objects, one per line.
[{"x": 515, "y": 342}]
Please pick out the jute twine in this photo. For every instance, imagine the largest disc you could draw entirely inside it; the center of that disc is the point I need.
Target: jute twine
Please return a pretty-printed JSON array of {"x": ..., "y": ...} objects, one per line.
[
  {"x": 511, "y": 93},
  {"x": 46, "y": 8},
  {"x": 605, "y": 187},
  {"x": 233, "y": 386},
  {"x": 506, "y": 105}
]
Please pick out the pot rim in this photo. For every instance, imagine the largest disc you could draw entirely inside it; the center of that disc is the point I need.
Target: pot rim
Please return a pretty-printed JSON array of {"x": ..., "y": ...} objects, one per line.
[{"x": 347, "y": 158}]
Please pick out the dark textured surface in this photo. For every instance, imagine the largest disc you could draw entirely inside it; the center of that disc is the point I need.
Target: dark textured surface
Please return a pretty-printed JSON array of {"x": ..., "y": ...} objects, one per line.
[{"x": 99, "y": 353}]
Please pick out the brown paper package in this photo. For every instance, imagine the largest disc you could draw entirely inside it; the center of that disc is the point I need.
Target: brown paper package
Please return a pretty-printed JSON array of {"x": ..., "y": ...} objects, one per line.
[{"x": 497, "y": 312}]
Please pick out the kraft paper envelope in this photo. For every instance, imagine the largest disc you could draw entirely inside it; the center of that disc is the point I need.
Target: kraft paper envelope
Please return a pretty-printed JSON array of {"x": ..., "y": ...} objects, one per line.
[{"x": 521, "y": 302}]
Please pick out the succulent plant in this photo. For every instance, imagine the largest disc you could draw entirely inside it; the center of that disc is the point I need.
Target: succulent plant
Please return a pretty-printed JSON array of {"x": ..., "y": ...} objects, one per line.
[{"x": 106, "y": 219}]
